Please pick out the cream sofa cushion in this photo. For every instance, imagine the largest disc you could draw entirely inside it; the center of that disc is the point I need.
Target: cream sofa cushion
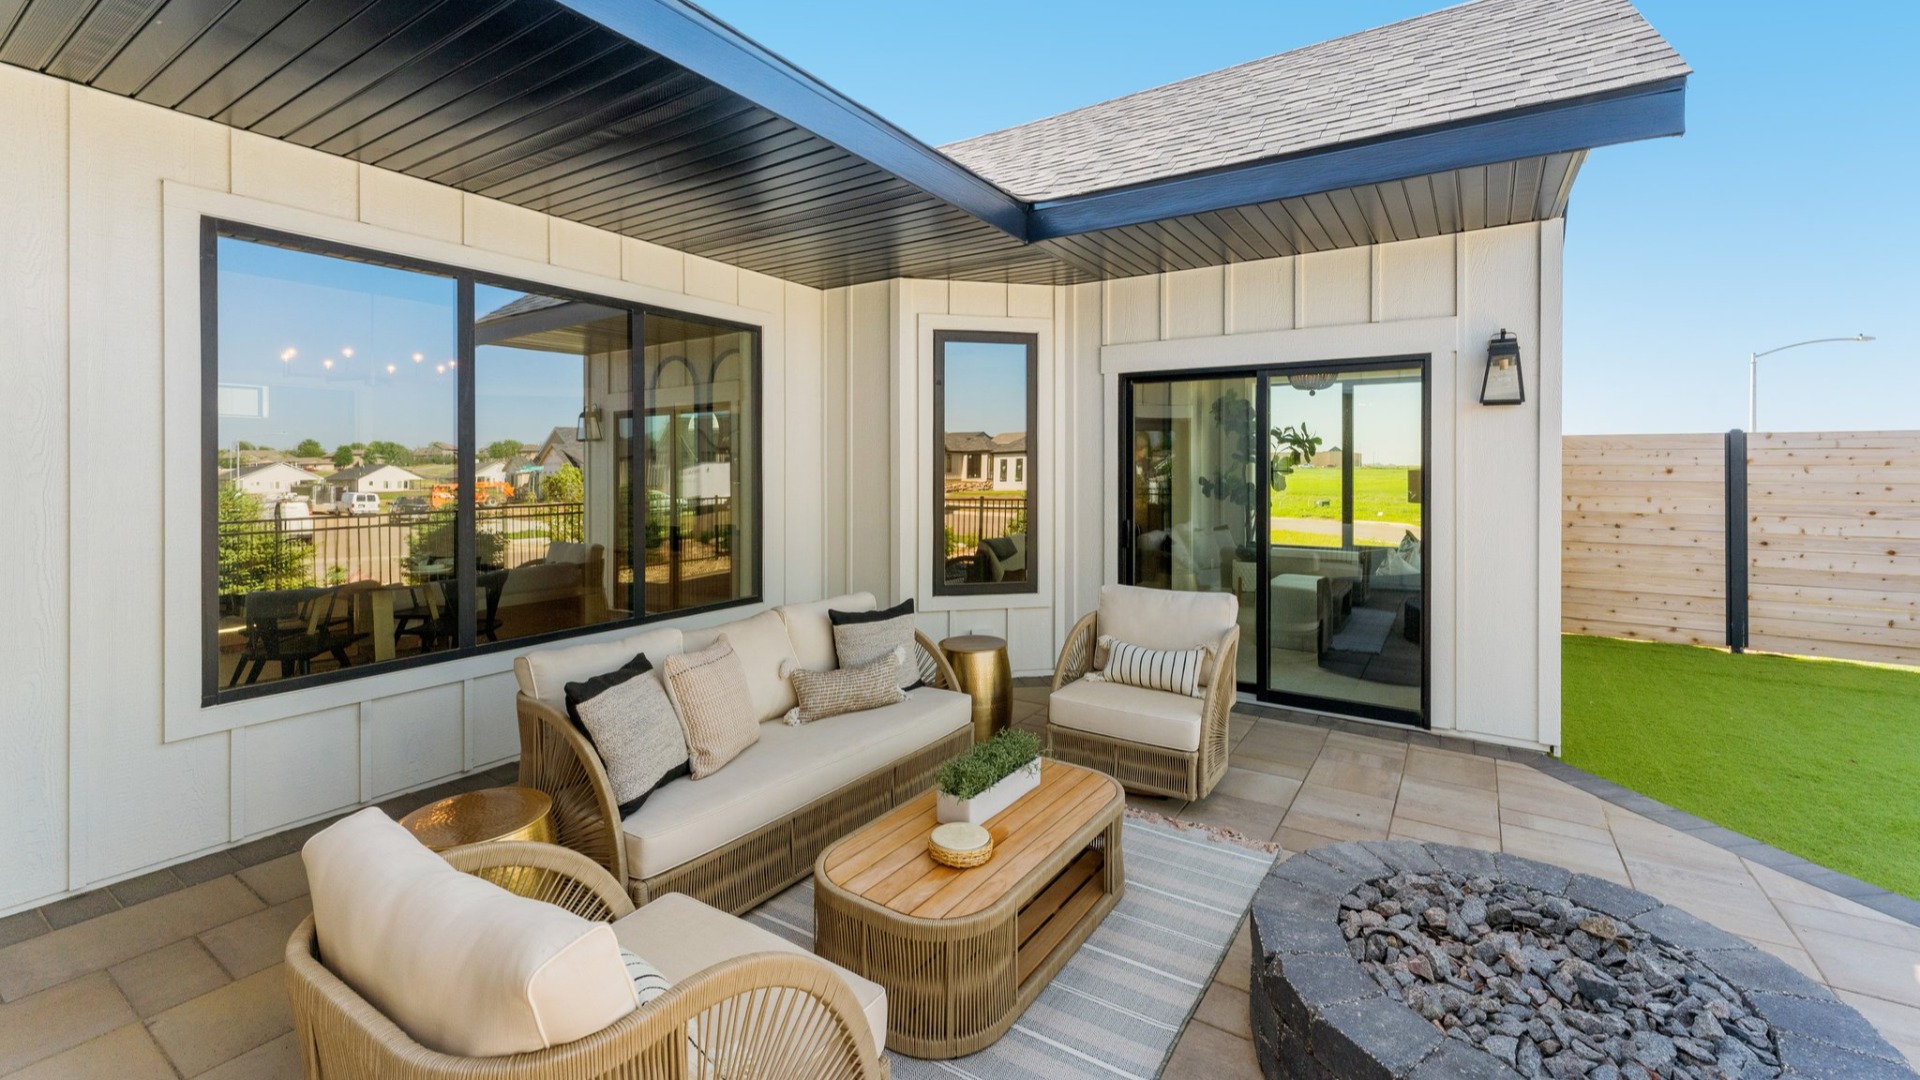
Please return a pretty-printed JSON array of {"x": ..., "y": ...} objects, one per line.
[
  {"x": 811, "y": 631},
  {"x": 787, "y": 769},
  {"x": 544, "y": 675},
  {"x": 460, "y": 964},
  {"x": 682, "y": 937},
  {"x": 763, "y": 648},
  {"x": 1129, "y": 713},
  {"x": 1165, "y": 619}
]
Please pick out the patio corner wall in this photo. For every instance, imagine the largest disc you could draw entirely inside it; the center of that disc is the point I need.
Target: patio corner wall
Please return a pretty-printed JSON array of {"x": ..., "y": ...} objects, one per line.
[
  {"x": 1830, "y": 529},
  {"x": 101, "y": 780}
]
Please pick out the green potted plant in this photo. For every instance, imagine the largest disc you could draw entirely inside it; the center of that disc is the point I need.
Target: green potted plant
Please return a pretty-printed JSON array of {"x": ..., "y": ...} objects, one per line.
[{"x": 988, "y": 778}]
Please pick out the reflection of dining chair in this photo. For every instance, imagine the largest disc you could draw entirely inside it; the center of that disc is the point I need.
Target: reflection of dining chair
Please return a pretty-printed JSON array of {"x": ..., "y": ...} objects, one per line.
[
  {"x": 426, "y": 618},
  {"x": 293, "y": 626},
  {"x": 437, "y": 617}
]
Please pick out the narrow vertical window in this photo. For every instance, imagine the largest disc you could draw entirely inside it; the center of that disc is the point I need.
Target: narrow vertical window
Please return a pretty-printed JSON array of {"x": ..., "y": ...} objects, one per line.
[{"x": 984, "y": 422}]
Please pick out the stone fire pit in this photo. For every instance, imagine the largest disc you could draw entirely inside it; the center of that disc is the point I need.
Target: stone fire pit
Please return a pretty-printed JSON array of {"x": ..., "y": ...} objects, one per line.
[{"x": 1390, "y": 959}]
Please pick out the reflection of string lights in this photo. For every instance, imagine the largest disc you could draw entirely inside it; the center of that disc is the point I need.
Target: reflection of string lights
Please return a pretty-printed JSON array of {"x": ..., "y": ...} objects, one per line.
[
  {"x": 327, "y": 363},
  {"x": 440, "y": 369},
  {"x": 288, "y": 354},
  {"x": 391, "y": 369},
  {"x": 453, "y": 363},
  {"x": 418, "y": 357},
  {"x": 347, "y": 352}
]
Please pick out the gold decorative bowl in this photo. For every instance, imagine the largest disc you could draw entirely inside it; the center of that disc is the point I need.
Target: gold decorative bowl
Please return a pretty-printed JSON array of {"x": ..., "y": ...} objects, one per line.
[{"x": 960, "y": 845}]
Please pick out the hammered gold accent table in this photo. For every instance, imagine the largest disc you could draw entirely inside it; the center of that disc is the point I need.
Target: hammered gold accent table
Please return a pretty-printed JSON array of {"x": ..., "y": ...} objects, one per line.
[
  {"x": 962, "y": 953},
  {"x": 980, "y": 665},
  {"x": 479, "y": 817}
]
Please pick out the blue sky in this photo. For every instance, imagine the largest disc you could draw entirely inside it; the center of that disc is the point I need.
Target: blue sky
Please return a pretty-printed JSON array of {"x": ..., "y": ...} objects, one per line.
[{"x": 1788, "y": 211}]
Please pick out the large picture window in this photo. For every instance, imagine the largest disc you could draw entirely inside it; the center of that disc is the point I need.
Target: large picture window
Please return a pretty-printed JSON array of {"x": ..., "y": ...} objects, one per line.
[
  {"x": 408, "y": 462},
  {"x": 985, "y": 439}
]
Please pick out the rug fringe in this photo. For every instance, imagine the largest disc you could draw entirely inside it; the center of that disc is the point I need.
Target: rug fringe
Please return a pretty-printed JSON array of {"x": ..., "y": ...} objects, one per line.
[{"x": 1212, "y": 832}]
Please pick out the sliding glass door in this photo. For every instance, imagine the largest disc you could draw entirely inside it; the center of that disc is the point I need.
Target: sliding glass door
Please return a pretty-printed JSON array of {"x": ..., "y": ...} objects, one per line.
[{"x": 1300, "y": 489}]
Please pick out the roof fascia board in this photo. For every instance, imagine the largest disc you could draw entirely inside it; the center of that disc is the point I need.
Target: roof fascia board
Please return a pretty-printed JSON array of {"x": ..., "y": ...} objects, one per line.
[
  {"x": 697, "y": 41},
  {"x": 1645, "y": 112}
]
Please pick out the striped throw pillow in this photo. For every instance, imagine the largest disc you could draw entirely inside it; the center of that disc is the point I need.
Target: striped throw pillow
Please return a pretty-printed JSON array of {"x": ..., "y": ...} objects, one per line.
[
  {"x": 1176, "y": 671},
  {"x": 648, "y": 983}
]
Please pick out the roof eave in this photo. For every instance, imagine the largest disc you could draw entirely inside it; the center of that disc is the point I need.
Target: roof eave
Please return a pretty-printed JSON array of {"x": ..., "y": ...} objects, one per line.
[
  {"x": 715, "y": 51},
  {"x": 1647, "y": 111}
]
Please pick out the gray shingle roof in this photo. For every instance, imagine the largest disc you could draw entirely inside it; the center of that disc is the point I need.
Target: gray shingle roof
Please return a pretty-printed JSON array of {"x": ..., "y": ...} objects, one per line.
[
  {"x": 1479, "y": 58},
  {"x": 977, "y": 442}
]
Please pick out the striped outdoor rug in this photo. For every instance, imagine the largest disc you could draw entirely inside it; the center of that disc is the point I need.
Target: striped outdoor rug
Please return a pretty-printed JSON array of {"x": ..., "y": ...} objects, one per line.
[{"x": 1117, "y": 1007}]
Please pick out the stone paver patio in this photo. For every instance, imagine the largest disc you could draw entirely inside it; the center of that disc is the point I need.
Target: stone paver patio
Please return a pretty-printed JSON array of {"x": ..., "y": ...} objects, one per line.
[{"x": 177, "y": 974}]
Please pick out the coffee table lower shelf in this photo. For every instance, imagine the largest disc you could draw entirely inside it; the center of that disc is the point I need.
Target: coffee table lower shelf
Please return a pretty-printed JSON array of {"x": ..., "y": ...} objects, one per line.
[{"x": 956, "y": 984}]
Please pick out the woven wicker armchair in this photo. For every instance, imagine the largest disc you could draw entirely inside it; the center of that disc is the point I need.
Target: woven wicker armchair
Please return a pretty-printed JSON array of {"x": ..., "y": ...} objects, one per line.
[
  {"x": 765, "y": 1016},
  {"x": 1140, "y": 766},
  {"x": 557, "y": 759}
]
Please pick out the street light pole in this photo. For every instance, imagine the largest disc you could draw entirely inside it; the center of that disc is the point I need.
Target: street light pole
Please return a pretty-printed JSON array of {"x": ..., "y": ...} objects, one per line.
[{"x": 1753, "y": 371}]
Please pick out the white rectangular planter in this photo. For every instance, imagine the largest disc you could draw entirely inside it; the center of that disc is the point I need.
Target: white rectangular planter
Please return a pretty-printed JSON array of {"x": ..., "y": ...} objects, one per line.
[{"x": 991, "y": 801}]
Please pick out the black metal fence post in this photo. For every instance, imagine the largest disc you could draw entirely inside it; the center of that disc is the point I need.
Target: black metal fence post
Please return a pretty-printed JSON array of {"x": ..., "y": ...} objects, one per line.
[{"x": 1736, "y": 502}]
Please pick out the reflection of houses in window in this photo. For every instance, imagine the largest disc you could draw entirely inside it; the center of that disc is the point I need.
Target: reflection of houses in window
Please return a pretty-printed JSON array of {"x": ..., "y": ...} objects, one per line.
[
  {"x": 271, "y": 480},
  {"x": 375, "y": 478},
  {"x": 977, "y": 461}
]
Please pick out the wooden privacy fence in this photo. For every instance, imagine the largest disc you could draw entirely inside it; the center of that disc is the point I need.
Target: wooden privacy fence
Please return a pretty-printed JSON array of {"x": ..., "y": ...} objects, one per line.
[{"x": 1822, "y": 557}]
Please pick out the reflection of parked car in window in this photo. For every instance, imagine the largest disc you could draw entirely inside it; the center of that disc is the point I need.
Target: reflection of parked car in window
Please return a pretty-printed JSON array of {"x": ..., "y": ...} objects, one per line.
[
  {"x": 356, "y": 502},
  {"x": 408, "y": 508},
  {"x": 294, "y": 518}
]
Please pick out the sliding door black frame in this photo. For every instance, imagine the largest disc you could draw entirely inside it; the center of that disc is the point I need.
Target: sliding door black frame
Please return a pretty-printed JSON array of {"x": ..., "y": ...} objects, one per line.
[{"x": 1264, "y": 376}]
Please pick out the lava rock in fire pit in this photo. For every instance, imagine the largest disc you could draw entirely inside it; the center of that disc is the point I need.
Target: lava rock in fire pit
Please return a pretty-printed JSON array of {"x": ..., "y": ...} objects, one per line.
[{"x": 1390, "y": 959}]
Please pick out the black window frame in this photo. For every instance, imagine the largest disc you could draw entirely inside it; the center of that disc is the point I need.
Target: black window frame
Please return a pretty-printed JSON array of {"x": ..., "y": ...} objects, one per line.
[
  {"x": 1031, "y": 584},
  {"x": 214, "y": 229}
]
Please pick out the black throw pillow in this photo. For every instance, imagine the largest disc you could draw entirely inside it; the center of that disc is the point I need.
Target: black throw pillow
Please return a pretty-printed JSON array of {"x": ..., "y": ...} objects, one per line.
[
  {"x": 857, "y": 641},
  {"x": 640, "y": 741}
]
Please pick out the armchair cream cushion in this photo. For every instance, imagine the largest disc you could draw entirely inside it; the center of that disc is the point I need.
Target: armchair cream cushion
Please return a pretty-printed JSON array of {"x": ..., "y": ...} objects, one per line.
[
  {"x": 1165, "y": 619},
  {"x": 682, "y": 936},
  {"x": 460, "y": 964},
  {"x": 1128, "y": 713}
]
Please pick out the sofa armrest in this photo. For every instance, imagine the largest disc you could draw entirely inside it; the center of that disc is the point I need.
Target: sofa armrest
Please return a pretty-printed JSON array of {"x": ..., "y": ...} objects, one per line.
[
  {"x": 555, "y": 757},
  {"x": 1076, "y": 656},
  {"x": 935, "y": 671}
]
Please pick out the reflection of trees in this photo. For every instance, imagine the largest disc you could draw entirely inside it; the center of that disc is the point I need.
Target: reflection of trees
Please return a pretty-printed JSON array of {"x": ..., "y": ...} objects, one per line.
[{"x": 254, "y": 554}]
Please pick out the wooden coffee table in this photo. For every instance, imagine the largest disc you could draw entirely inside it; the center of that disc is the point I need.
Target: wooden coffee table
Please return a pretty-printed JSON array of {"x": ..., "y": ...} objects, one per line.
[{"x": 962, "y": 953}]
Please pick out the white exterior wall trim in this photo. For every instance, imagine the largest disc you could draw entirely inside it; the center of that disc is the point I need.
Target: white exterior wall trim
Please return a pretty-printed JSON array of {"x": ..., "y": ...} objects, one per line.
[{"x": 184, "y": 207}]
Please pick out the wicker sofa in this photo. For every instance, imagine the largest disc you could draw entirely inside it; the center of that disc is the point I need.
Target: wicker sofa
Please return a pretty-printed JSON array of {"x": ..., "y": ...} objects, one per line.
[
  {"x": 741, "y": 835},
  {"x": 742, "y": 1001}
]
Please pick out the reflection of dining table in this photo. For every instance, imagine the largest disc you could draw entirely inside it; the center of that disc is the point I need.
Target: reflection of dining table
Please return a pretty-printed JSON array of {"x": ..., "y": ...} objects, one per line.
[{"x": 385, "y": 604}]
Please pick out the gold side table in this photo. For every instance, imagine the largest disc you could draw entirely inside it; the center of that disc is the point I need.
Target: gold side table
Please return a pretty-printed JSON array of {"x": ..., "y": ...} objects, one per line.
[
  {"x": 980, "y": 663},
  {"x": 479, "y": 817}
]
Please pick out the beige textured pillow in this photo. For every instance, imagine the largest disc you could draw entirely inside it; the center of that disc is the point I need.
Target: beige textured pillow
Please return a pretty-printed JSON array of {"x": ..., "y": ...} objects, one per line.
[
  {"x": 844, "y": 690},
  {"x": 709, "y": 691}
]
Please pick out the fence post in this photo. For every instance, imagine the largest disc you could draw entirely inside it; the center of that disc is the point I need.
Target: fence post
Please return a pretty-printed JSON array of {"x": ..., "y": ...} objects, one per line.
[{"x": 1736, "y": 504}]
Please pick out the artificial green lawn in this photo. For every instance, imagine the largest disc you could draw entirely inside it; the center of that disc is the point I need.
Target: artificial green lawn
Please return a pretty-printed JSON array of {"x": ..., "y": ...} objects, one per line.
[{"x": 1817, "y": 757}]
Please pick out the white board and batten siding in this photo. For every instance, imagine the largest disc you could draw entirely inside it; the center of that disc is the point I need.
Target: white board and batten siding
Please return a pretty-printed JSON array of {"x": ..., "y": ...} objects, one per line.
[
  {"x": 112, "y": 767},
  {"x": 1493, "y": 479}
]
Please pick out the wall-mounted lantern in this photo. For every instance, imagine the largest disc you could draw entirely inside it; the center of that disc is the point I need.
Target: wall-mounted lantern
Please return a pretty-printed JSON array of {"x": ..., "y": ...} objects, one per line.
[
  {"x": 588, "y": 428},
  {"x": 1503, "y": 384}
]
